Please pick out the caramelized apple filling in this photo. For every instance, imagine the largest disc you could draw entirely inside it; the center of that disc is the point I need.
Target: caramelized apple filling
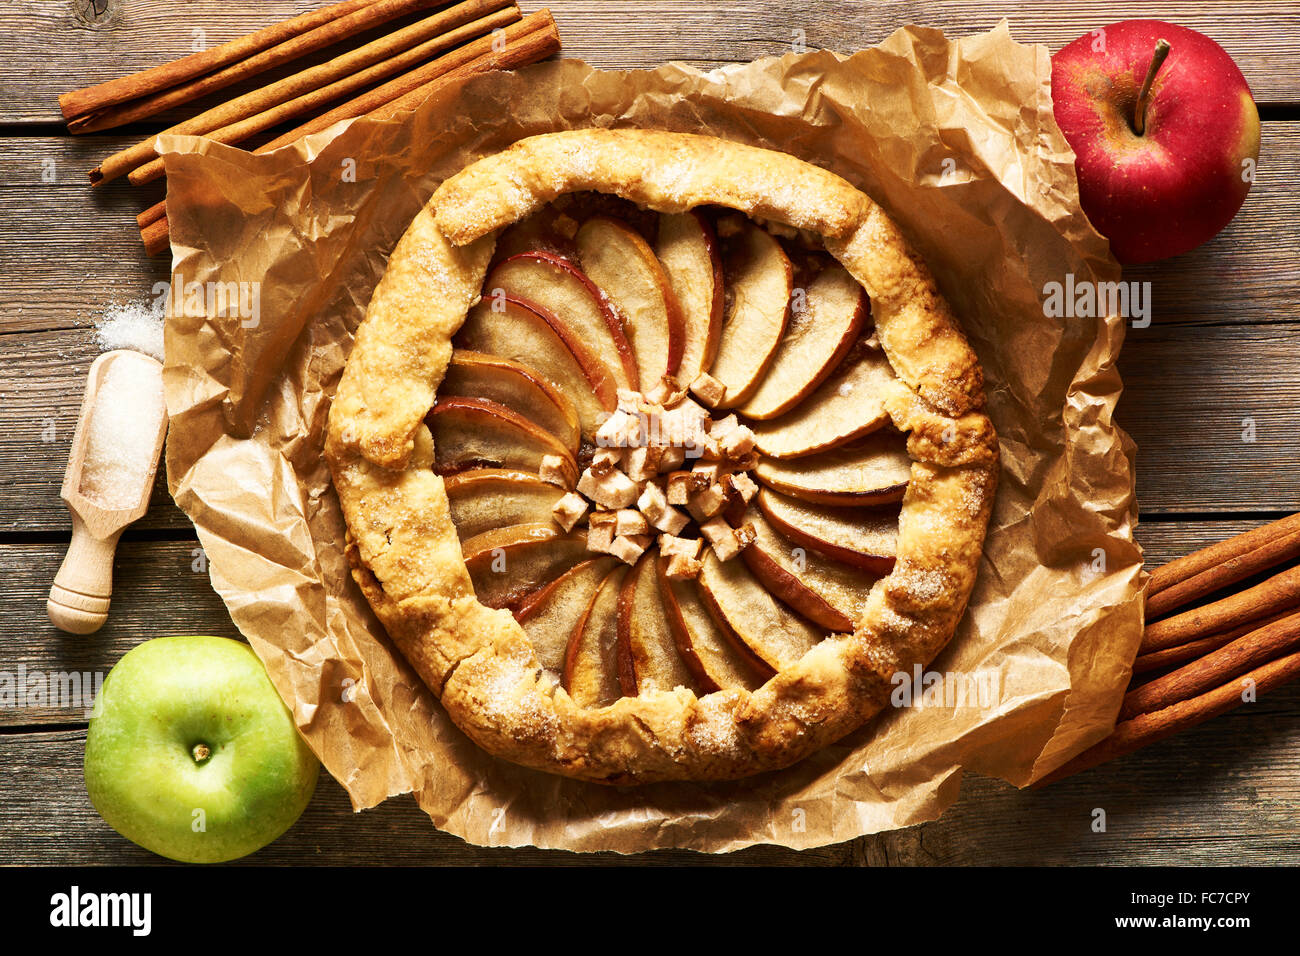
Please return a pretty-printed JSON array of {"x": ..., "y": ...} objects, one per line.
[{"x": 665, "y": 446}]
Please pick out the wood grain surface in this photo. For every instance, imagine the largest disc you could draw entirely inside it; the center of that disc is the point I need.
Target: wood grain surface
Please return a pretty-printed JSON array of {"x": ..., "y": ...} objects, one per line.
[
  {"x": 133, "y": 34},
  {"x": 1212, "y": 396}
]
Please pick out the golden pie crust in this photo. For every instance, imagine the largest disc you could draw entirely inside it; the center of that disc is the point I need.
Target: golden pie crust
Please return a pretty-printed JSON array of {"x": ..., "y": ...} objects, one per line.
[{"x": 405, "y": 551}]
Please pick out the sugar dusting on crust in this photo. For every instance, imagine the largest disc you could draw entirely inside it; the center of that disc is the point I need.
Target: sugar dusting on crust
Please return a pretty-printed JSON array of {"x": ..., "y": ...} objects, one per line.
[
  {"x": 924, "y": 586},
  {"x": 975, "y": 493},
  {"x": 711, "y": 728},
  {"x": 510, "y": 690}
]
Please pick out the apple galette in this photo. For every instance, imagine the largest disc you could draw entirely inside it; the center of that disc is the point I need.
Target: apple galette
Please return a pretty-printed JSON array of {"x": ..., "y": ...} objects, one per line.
[{"x": 660, "y": 456}]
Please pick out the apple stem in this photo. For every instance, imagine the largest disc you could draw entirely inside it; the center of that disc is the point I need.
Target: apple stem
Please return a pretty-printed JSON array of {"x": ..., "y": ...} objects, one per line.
[
  {"x": 200, "y": 753},
  {"x": 1144, "y": 95}
]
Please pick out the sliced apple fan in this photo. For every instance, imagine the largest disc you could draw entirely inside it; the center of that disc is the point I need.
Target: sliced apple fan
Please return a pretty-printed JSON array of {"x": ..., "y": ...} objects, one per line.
[{"x": 636, "y": 553}]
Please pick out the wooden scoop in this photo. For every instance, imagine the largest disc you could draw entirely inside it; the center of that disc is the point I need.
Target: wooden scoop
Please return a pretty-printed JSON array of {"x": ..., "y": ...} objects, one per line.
[{"x": 103, "y": 498}]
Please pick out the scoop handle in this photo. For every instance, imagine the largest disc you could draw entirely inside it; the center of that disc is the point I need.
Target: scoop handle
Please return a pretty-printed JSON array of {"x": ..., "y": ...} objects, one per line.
[{"x": 83, "y": 587}]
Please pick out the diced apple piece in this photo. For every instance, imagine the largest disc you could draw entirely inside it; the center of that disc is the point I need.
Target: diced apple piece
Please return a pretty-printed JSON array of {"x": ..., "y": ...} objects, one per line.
[
  {"x": 516, "y": 386},
  {"x": 508, "y": 564},
  {"x": 817, "y": 337},
  {"x": 705, "y": 649},
  {"x": 759, "y": 623},
  {"x": 848, "y": 405},
  {"x": 629, "y": 548},
  {"x": 647, "y": 655},
  {"x": 537, "y": 339},
  {"x": 561, "y": 288},
  {"x": 873, "y": 470},
  {"x": 688, "y": 249},
  {"x": 481, "y": 499},
  {"x": 826, "y": 592},
  {"x": 626, "y": 269},
  {"x": 613, "y": 489},
  {"x": 759, "y": 281},
  {"x": 866, "y": 538},
  {"x": 591, "y": 658},
  {"x": 600, "y": 533},
  {"x": 568, "y": 511},
  {"x": 629, "y": 521},
  {"x": 477, "y": 433},
  {"x": 708, "y": 390},
  {"x": 550, "y": 615},
  {"x": 680, "y": 567}
]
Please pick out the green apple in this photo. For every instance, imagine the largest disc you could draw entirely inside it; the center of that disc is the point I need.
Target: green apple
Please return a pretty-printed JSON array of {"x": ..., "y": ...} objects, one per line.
[{"x": 192, "y": 754}]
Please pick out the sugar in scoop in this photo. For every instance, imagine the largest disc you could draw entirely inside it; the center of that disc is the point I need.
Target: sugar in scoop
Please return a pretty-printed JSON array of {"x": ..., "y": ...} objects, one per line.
[
  {"x": 110, "y": 475},
  {"x": 122, "y": 433}
]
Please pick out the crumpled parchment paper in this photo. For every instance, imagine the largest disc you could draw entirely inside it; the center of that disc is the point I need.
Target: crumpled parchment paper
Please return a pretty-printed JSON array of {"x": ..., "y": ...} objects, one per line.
[{"x": 956, "y": 139}]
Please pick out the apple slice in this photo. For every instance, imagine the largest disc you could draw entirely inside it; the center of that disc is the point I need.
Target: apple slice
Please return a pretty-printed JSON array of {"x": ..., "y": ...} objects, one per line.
[
  {"x": 543, "y": 231},
  {"x": 848, "y": 405},
  {"x": 647, "y": 653},
  {"x": 759, "y": 281},
  {"x": 550, "y": 615},
  {"x": 475, "y": 432},
  {"x": 508, "y": 564},
  {"x": 481, "y": 499},
  {"x": 816, "y": 339},
  {"x": 626, "y": 269},
  {"x": 534, "y": 337},
  {"x": 558, "y": 286},
  {"x": 757, "y": 621},
  {"x": 516, "y": 386},
  {"x": 866, "y": 538},
  {"x": 687, "y": 247},
  {"x": 591, "y": 657},
  {"x": 706, "y": 650},
  {"x": 824, "y": 591},
  {"x": 871, "y": 471}
]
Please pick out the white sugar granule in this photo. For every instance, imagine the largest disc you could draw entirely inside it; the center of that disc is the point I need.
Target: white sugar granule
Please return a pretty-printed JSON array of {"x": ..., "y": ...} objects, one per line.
[
  {"x": 122, "y": 431},
  {"x": 136, "y": 325}
]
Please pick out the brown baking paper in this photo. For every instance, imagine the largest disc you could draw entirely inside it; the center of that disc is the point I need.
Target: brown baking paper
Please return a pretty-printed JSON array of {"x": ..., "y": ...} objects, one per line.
[{"x": 956, "y": 139}]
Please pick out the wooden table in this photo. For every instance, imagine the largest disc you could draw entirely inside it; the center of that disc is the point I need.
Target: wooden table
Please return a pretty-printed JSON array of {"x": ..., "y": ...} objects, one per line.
[{"x": 1224, "y": 348}]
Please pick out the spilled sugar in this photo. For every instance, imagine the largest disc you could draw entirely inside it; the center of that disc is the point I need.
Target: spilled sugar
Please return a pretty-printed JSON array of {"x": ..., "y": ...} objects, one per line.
[
  {"x": 136, "y": 325},
  {"x": 122, "y": 430}
]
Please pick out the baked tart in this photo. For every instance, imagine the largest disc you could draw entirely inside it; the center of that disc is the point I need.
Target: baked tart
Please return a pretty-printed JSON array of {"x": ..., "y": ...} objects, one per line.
[{"x": 660, "y": 455}]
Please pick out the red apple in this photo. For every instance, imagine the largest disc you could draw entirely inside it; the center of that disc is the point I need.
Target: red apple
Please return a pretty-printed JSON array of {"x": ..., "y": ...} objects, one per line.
[{"x": 1165, "y": 134}]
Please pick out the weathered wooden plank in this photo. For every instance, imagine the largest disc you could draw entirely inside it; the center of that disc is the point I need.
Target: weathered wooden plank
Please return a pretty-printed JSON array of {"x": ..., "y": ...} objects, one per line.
[
  {"x": 161, "y": 588},
  {"x": 1225, "y": 798},
  {"x": 46, "y": 818},
  {"x": 70, "y": 250},
  {"x": 1214, "y": 415},
  {"x": 1227, "y": 790},
  {"x": 1263, "y": 37}
]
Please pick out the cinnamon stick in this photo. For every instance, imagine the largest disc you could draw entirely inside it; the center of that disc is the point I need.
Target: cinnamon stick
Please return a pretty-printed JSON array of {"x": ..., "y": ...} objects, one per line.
[
  {"x": 1276, "y": 594},
  {"x": 93, "y": 99},
  {"x": 1250, "y": 650},
  {"x": 373, "y": 14},
  {"x": 238, "y": 121},
  {"x": 1192, "y": 564},
  {"x": 533, "y": 38},
  {"x": 1145, "y": 663},
  {"x": 542, "y": 42},
  {"x": 1131, "y": 735},
  {"x": 155, "y": 212},
  {"x": 156, "y": 237},
  {"x": 1237, "y": 567}
]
